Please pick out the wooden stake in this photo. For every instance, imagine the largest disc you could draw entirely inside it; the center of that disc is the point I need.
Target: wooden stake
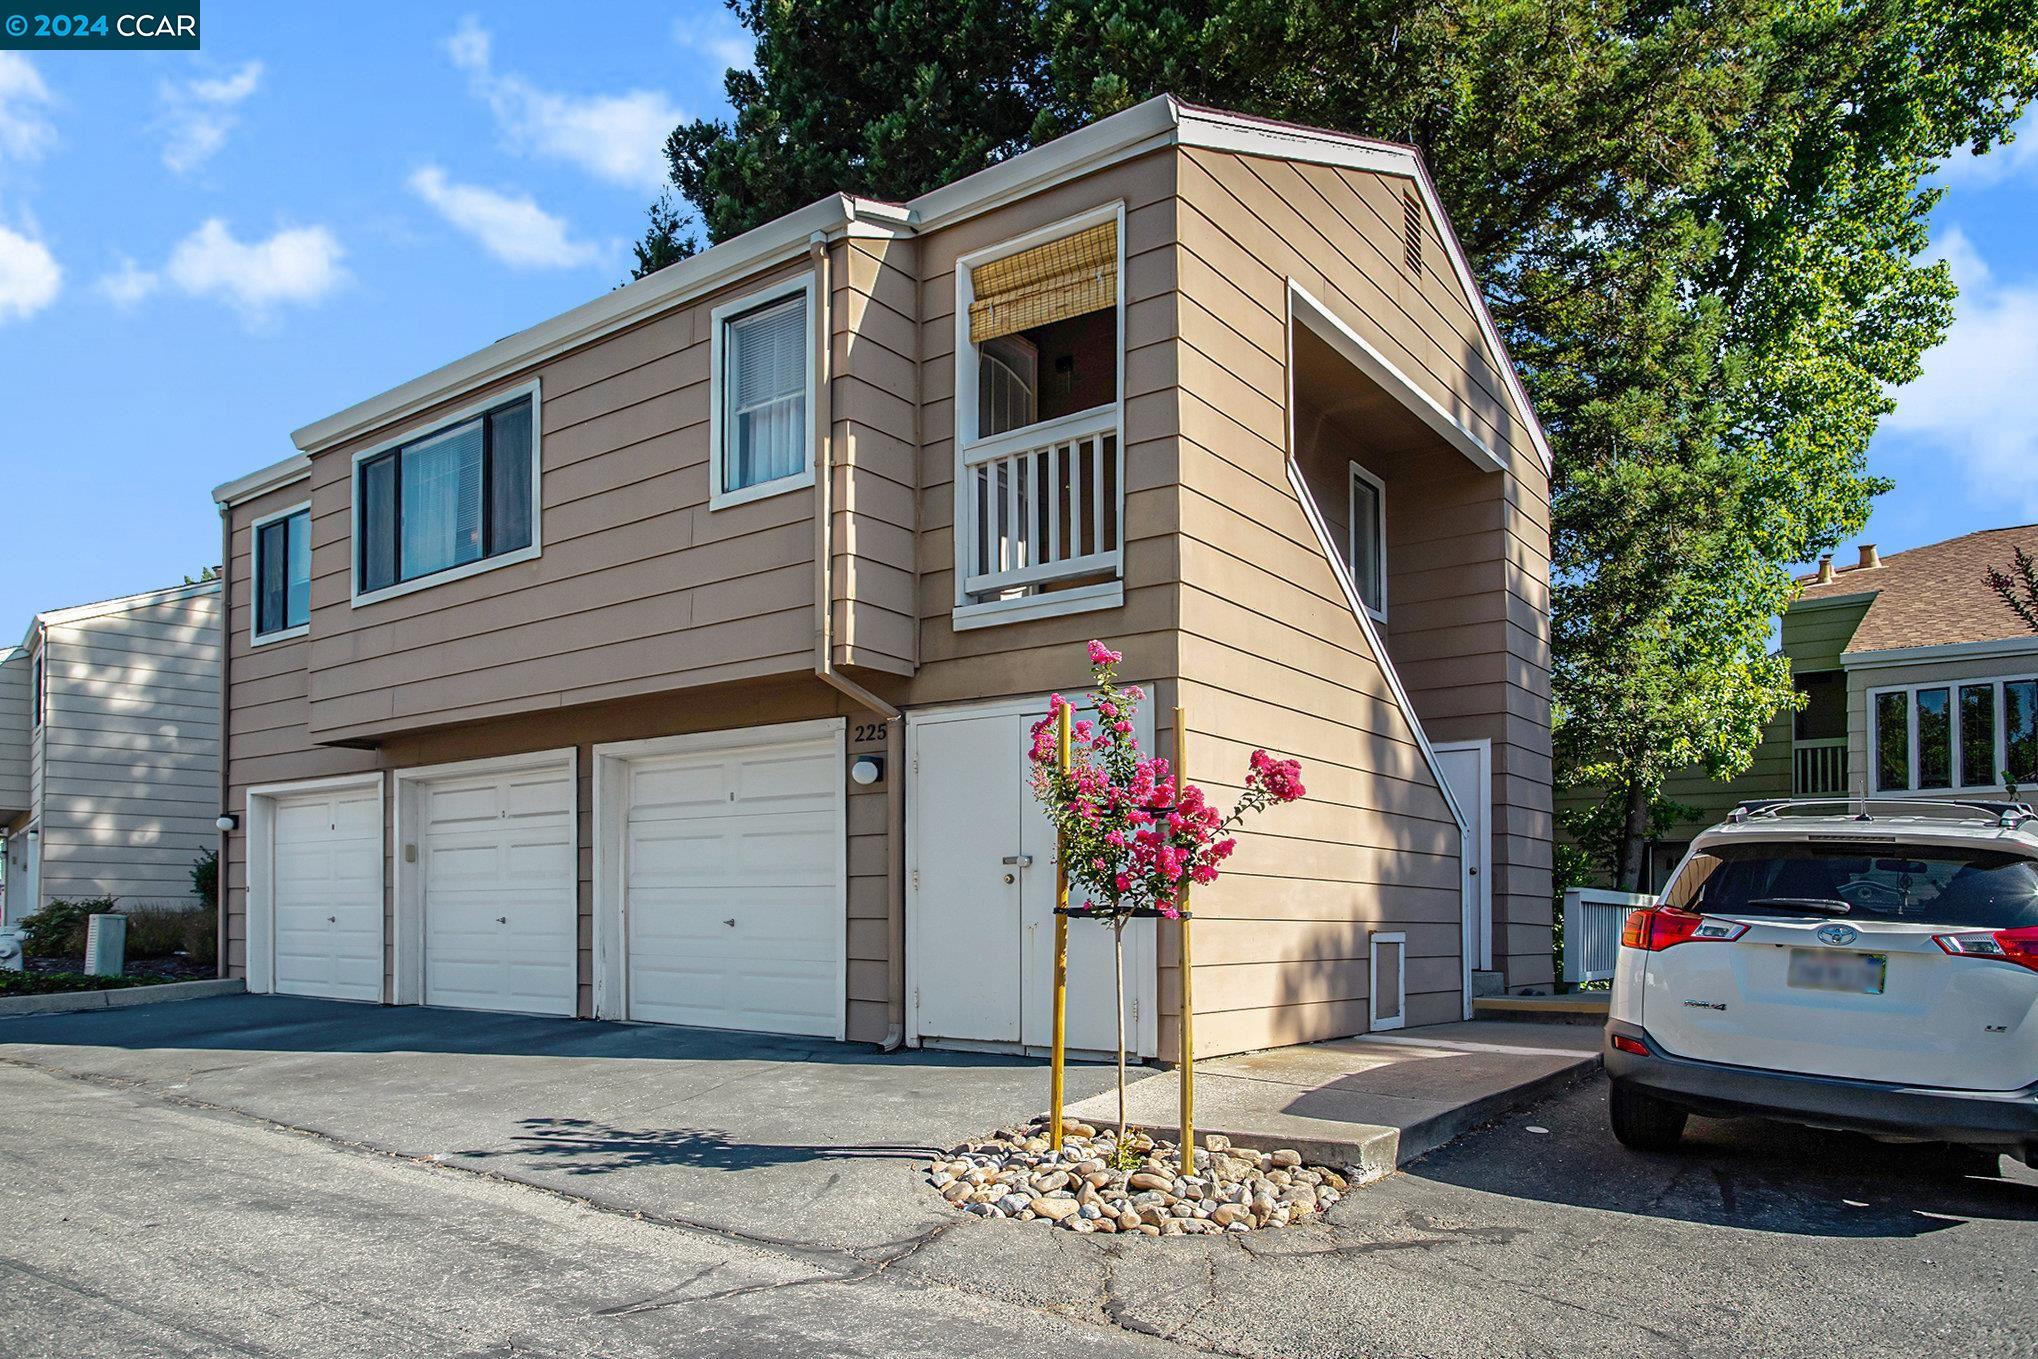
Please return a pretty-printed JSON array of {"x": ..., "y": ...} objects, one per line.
[
  {"x": 1061, "y": 952},
  {"x": 1188, "y": 1052}
]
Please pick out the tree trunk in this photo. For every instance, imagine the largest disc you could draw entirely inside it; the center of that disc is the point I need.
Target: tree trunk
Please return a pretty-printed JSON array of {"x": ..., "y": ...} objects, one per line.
[
  {"x": 1633, "y": 833},
  {"x": 1118, "y": 978}
]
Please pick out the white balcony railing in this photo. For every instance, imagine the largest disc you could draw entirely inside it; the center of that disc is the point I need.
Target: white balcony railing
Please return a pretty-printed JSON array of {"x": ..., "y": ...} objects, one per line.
[
  {"x": 1042, "y": 504},
  {"x": 1818, "y": 768}
]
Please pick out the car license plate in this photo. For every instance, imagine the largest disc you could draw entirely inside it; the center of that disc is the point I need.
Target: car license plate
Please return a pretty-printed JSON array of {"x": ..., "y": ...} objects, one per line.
[{"x": 1857, "y": 974}]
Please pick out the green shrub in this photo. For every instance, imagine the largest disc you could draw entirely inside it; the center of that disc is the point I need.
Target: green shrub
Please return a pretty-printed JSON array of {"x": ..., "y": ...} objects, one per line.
[
  {"x": 58, "y": 929},
  {"x": 159, "y": 930},
  {"x": 205, "y": 878}
]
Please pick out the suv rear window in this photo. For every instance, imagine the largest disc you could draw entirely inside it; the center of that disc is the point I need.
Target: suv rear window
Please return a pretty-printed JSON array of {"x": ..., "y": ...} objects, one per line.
[{"x": 1927, "y": 884}]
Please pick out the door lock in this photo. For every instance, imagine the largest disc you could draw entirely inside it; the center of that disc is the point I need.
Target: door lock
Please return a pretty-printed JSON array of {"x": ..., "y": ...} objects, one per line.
[
  {"x": 1019, "y": 860},
  {"x": 1011, "y": 877}
]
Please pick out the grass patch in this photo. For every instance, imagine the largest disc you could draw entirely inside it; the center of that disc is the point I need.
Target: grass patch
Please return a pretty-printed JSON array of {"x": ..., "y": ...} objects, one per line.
[{"x": 50, "y": 983}]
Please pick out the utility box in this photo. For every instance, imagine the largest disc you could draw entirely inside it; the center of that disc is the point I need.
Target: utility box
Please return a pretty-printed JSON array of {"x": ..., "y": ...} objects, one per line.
[
  {"x": 10, "y": 948},
  {"x": 106, "y": 945}
]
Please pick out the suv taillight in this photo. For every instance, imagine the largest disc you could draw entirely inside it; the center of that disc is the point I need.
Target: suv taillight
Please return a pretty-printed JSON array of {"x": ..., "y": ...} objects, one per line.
[
  {"x": 1655, "y": 928},
  {"x": 2019, "y": 946}
]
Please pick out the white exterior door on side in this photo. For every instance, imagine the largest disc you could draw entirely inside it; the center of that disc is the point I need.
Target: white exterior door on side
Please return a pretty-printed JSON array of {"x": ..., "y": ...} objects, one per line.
[
  {"x": 734, "y": 881},
  {"x": 1468, "y": 769},
  {"x": 980, "y": 916},
  {"x": 497, "y": 864},
  {"x": 325, "y": 894},
  {"x": 23, "y": 881}
]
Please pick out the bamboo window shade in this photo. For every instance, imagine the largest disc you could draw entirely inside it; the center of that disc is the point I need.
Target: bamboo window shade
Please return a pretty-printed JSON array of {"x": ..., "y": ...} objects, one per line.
[{"x": 1053, "y": 282}]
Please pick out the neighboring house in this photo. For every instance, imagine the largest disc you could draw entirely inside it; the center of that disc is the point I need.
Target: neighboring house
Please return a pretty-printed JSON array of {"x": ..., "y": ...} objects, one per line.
[
  {"x": 673, "y": 660},
  {"x": 109, "y": 749},
  {"x": 1918, "y": 682}
]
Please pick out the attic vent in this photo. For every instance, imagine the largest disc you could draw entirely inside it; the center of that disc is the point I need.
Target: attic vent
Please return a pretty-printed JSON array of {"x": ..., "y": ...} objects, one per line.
[{"x": 1411, "y": 232}]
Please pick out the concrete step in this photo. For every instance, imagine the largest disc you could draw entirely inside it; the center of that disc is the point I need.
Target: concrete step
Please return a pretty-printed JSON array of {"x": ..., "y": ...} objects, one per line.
[
  {"x": 1576, "y": 1007},
  {"x": 1372, "y": 1103}
]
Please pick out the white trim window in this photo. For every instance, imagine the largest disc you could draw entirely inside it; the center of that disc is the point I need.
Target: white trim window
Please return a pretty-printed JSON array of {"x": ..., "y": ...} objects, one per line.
[
  {"x": 1367, "y": 540},
  {"x": 458, "y": 499},
  {"x": 1039, "y": 414},
  {"x": 279, "y": 585},
  {"x": 1954, "y": 735},
  {"x": 39, "y": 688},
  {"x": 761, "y": 439},
  {"x": 1387, "y": 980}
]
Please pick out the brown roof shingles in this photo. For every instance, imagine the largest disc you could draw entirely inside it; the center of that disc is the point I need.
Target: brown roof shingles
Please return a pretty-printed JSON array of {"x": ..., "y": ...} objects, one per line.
[{"x": 1933, "y": 595}]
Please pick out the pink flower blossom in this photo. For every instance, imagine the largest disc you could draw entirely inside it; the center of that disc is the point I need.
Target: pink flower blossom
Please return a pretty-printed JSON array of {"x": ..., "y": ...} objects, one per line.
[{"x": 1101, "y": 655}]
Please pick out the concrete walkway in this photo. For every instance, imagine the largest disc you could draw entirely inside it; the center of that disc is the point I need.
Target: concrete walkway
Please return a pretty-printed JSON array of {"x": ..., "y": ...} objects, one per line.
[{"x": 1376, "y": 1102}]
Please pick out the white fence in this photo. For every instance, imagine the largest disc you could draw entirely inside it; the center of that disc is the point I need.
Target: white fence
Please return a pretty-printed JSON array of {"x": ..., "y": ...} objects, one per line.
[{"x": 1592, "y": 923}]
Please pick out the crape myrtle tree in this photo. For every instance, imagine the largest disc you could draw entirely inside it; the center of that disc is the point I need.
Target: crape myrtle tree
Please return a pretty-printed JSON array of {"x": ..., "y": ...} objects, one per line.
[{"x": 1698, "y": 225}]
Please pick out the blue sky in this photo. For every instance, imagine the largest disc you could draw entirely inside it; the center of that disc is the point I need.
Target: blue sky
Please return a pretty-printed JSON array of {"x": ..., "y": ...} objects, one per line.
[{"x": 200, "y": 252}]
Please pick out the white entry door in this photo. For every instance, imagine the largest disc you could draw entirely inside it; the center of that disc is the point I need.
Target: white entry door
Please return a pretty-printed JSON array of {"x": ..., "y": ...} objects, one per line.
[
  {"x": 980, "y": 926},
  {"x": 497, "y": 865},
  {"x": 734, "y": 898},
  {"x": 1468, "y": 769},
  {"x": 325, "y": 890},
  {"x": 23, "y": 887}
]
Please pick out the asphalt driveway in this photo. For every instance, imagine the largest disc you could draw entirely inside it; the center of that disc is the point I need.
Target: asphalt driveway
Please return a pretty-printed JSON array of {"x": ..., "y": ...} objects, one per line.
[
  {"x": 775, "y": 1139},
  {"x": 255, "y": 1175}
]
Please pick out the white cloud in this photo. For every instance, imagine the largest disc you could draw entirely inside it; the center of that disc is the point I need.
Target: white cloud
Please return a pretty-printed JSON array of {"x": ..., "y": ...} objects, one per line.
[
  {"x": 25, "y": 134},
  {"x": 128, "y": 284},
  {"x": 513, "y": 229},
  {"x": 1976, "y": 402},
  {"x": 198, "y": 114},
  {"x": 2016, "y": 160},
  {"x": 29, "y": 275},
  {"x": 716, "y": 35},
  {"x": 616, "y": 137}
]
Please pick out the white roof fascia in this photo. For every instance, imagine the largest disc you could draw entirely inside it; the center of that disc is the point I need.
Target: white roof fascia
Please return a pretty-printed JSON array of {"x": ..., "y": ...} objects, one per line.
[
  {"x": 2008, "y": 647},
  {"x": 296, "y": 467},
  {"x": 776, "y": 242},
  {"x": 1158, "y": 122},
  {"x": 78, "y": 613}
]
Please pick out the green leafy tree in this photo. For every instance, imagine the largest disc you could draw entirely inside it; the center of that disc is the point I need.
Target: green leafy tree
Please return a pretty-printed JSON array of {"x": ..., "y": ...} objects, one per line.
[{"x": 1698, "y": 226}]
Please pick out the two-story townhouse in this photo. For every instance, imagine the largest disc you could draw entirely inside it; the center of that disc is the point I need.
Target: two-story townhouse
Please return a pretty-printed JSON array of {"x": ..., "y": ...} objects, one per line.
[
  {"x": 1916, "y": 681},
  {"x": 673, "y": 660},
  {"x": 109, "y": 749}
]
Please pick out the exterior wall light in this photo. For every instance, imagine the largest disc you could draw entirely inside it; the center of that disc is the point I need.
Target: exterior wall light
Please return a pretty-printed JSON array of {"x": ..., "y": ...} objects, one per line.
[{"x": 866, "y": 770}]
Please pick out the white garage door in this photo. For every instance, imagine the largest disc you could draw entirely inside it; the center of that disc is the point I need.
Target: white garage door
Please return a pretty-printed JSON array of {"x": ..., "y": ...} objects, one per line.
[
  {"x": 326, "y": 890},
  {"x": 734, "y": 905},
  {"x": 500, "y": 891}
]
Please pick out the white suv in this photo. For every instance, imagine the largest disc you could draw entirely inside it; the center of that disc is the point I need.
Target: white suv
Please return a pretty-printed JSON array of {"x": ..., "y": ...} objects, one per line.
[{"x": 1869, "y": 966}]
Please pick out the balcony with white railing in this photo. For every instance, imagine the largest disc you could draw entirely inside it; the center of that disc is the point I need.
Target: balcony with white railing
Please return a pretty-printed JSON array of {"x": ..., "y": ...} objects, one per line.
[
  {"x": 1042, "y": 507},
  {"x": 1818, "y": 768}
]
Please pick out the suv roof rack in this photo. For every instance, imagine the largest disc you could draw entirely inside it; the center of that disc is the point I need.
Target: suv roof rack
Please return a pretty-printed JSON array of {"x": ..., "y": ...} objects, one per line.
[{"x": 2006, "y": 814}]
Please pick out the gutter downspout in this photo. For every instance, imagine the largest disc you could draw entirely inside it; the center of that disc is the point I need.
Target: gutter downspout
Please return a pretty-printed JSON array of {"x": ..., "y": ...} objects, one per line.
[
  {"x": 824, "y": 644},
  {"x": 226, "y": 651}
]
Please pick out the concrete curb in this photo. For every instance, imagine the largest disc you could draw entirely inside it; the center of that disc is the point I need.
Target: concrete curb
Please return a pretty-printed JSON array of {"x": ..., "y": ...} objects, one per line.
[
  {"x": 119, "y": 998},
  {"x": 1377, "y": 1150}
]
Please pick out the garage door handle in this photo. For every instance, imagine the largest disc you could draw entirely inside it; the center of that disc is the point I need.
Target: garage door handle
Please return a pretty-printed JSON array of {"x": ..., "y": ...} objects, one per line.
[
  {"x": 502, "y": 920},
  {"x": 730, "y": 922}
]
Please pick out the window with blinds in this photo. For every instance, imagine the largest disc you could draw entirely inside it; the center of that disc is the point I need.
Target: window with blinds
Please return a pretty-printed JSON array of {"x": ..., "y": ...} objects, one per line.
[
  {"x": 456, "y": 496},
  {"x": 765, "y": 395}
]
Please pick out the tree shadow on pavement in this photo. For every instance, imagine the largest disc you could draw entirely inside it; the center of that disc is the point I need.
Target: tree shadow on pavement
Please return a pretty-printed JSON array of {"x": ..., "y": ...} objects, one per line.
[{"x": 581, "y": 1146}]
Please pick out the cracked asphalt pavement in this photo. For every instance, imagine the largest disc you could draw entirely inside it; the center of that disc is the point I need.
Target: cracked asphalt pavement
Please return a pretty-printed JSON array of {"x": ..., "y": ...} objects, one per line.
[{"x": 293, "y": 1179}]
